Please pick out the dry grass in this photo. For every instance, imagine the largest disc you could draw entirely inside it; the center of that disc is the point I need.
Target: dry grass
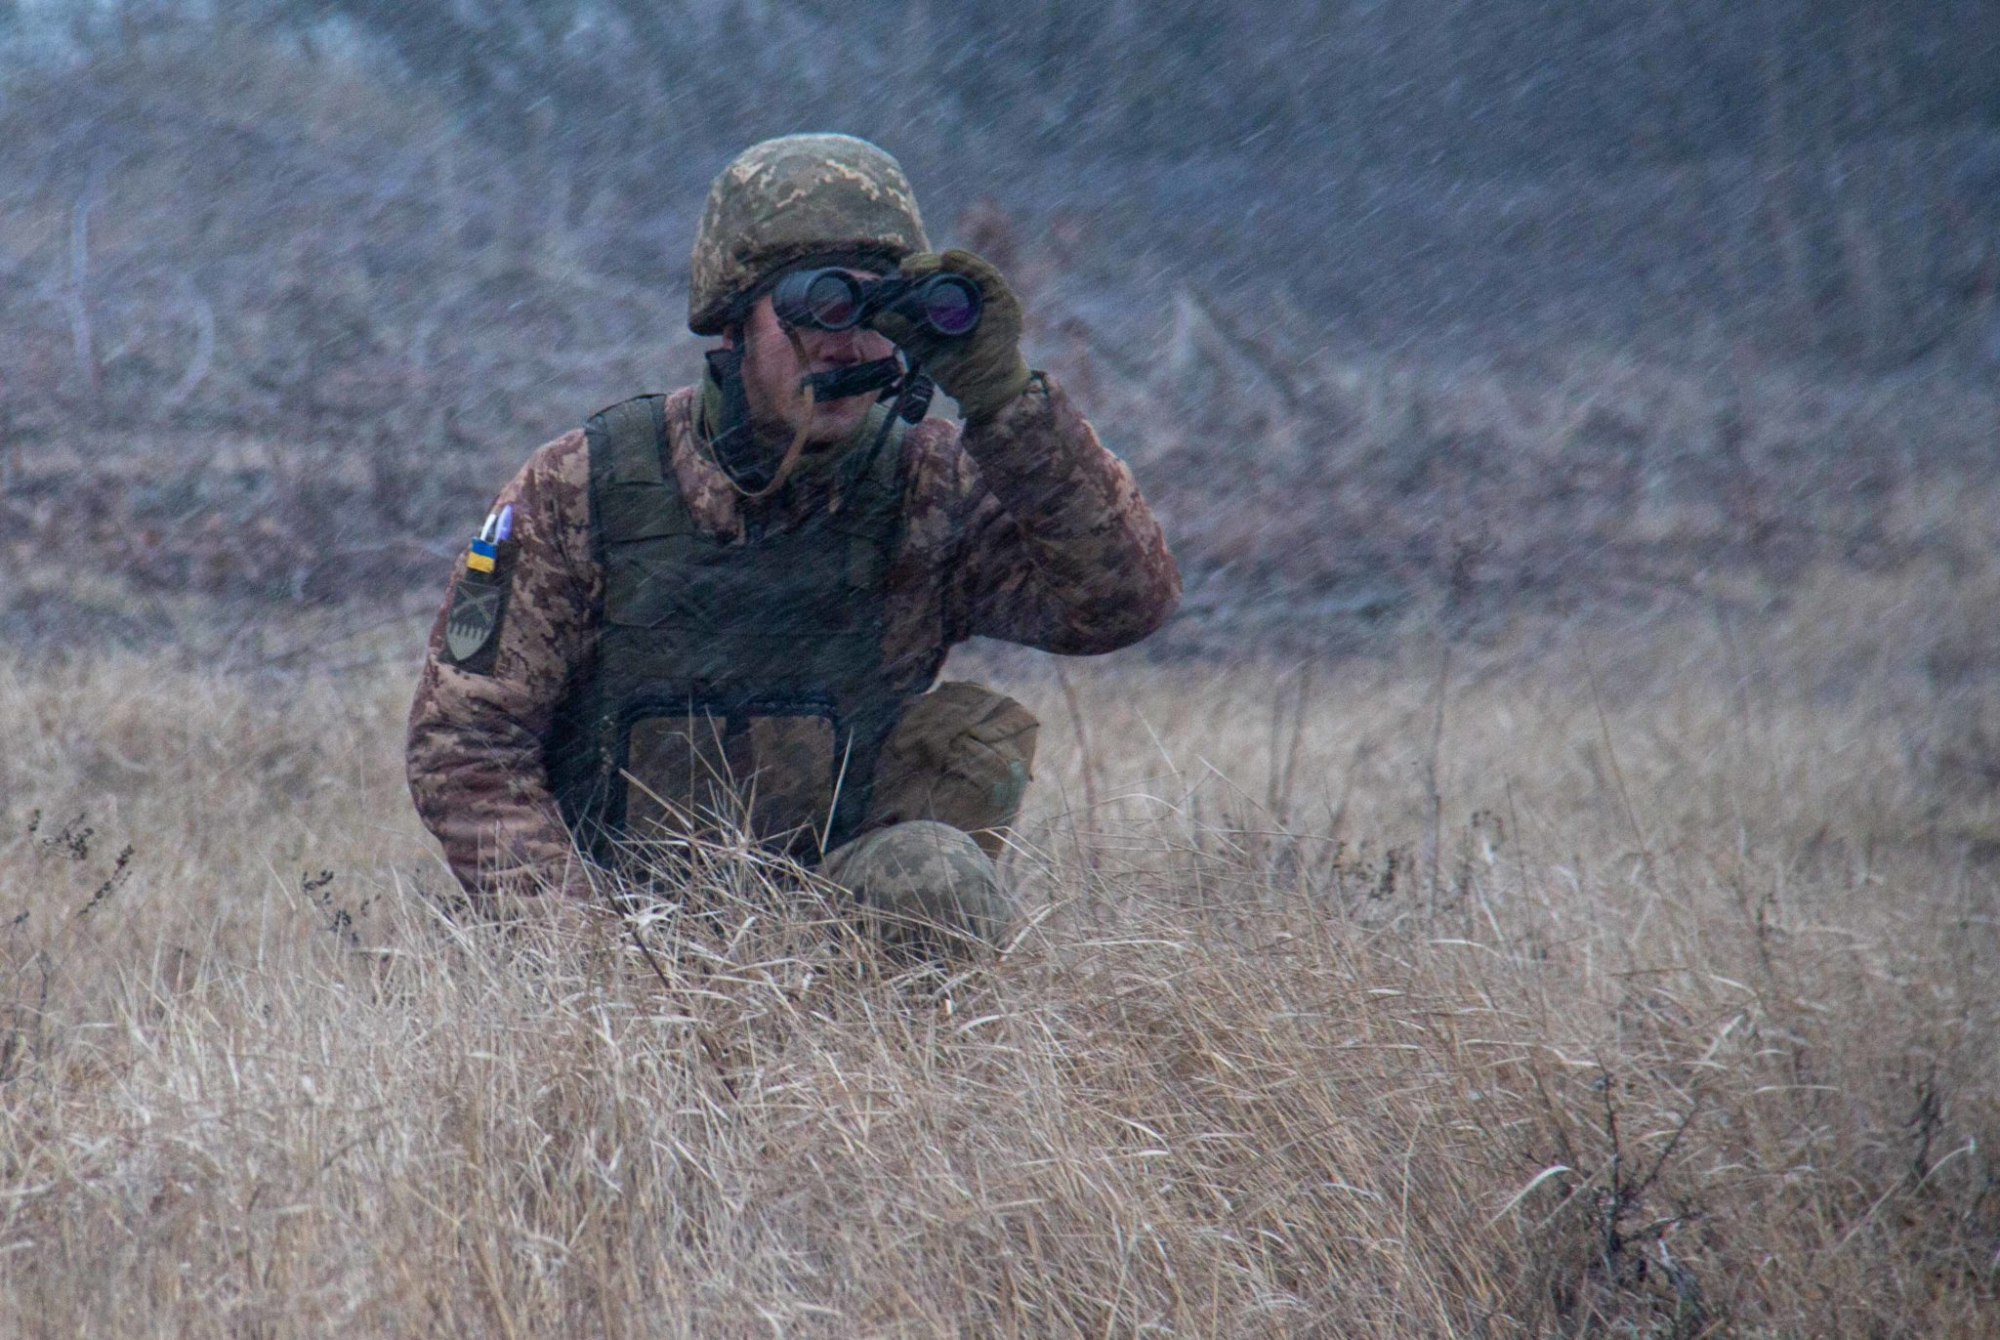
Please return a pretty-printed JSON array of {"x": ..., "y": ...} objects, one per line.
[{"x": 1635, "y": 985}]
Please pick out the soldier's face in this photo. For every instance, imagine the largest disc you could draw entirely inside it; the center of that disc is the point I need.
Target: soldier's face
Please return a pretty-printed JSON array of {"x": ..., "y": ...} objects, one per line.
[{"x": 771, "y": 373}]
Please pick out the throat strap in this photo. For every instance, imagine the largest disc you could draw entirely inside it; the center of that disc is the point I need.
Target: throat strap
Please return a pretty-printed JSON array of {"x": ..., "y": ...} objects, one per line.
[
  {"x": 790, "y": 459},
  {"x": 732, "y": 438}
]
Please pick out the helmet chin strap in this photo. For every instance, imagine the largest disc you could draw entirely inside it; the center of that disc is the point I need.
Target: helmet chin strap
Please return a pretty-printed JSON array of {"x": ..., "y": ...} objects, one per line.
[{"x": 734, "y": 442}]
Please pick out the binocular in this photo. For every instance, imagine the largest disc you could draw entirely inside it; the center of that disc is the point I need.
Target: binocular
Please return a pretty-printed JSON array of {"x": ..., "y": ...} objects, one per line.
[{"x": 940, "y": 304}]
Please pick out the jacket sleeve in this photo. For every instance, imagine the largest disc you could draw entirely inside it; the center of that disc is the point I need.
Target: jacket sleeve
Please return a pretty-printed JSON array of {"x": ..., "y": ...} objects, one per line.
[
  {"x": 1059, "y": 549},
  {"x": 475, "y": 753}
]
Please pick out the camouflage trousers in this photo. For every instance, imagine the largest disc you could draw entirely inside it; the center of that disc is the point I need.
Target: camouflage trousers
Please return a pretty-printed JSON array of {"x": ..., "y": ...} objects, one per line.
[
  {"x": 948, "y": 785},
  {"x": 962, "y": 755}
]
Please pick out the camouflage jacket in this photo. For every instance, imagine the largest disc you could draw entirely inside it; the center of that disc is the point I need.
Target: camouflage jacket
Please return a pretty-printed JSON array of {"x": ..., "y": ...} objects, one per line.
[{"x": 1022, "y": 528}]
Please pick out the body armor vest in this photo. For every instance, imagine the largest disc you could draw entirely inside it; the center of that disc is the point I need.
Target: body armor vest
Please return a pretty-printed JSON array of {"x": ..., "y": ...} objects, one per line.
[{"x": 741, "y": 685}]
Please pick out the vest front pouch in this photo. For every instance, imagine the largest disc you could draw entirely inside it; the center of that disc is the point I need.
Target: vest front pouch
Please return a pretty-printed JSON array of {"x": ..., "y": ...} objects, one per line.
[
  {"x": 740, "y": 685},
  {"x": 719, "y": 775},
  {"x": 678, "y": 776}
]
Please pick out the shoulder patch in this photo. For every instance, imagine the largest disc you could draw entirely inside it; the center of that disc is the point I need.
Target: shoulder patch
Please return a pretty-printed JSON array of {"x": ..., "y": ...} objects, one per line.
[
  {"x": 474, "y": 619},
  {"x": 478, "y": 605}
]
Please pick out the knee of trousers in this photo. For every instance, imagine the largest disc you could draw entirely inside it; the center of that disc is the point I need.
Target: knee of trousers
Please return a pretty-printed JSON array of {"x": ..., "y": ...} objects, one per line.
[
  {"x": 924, "y": 885},
  {"x": 962, "y": 755}
]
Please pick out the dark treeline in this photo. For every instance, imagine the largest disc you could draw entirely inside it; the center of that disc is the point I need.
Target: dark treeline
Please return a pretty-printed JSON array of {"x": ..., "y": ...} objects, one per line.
[
  {"x": 1840, "y": 159},
  {"x": 1508, "y": 86},
  {"x": 320, "y": 271}
]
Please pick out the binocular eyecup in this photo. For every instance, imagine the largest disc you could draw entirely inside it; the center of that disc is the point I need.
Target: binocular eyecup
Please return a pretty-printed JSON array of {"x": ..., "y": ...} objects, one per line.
[{"x": 831, "y": 299}]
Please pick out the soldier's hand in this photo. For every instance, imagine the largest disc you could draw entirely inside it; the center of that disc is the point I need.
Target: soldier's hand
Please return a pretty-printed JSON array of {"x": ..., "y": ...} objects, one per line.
[{"x": 984, "y": 370}]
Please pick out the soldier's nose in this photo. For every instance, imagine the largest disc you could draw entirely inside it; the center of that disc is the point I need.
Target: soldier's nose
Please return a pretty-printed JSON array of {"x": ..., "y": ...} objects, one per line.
[{"x": 839, "y": 346}]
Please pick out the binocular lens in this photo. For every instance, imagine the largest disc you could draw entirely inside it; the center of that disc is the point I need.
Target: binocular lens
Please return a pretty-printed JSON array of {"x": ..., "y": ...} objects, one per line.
[
  {"x": 951, "y": 304},
  {"x": 826, "y": 299}
]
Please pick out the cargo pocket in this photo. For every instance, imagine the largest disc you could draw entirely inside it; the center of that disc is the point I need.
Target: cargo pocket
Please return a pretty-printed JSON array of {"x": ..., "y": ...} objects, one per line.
[
  {"x": 768, "y": 777},
  {"x": 680, "y": 777},
  {"x": 961, "y": 755}
]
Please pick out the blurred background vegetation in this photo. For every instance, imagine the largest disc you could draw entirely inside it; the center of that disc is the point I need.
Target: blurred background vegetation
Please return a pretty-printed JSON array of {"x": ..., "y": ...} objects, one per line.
[{"x": 1556, "y": 304}]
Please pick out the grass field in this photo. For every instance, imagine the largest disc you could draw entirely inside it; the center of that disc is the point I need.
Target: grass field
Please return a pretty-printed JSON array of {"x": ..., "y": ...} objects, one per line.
[{"x": 1595, "y": 981}]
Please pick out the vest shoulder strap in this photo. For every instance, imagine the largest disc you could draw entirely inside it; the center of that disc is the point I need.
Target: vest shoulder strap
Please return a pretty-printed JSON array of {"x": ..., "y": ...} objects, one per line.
[
  {"x": 628, "y": 440},
  {"x": 633, "y": 491},
  {"x": 876, "y": 484}
]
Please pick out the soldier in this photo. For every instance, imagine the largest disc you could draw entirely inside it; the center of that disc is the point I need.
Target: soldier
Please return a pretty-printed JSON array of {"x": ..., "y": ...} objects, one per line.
[{"x": 731, "y": 603}]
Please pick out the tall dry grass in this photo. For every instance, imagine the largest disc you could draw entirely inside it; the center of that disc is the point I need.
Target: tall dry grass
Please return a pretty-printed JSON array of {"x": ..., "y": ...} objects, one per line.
[{"x": 1620, "y": 982}]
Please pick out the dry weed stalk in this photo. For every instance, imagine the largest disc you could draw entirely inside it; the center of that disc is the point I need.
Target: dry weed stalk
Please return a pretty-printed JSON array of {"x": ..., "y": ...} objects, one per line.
[{"x": 1242, "y": 1074}]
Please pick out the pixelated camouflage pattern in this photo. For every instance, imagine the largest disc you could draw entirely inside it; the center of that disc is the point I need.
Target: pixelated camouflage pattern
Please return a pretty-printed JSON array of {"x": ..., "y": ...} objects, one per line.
[
  {"x": 924, "y": 885},
  {"x": 792, "y": 197},
  {"x": 1023, "y": 528}
]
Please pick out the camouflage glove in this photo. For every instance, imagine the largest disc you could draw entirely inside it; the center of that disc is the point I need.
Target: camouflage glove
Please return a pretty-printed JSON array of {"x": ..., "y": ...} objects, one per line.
[{"x": 982, "y": 371}]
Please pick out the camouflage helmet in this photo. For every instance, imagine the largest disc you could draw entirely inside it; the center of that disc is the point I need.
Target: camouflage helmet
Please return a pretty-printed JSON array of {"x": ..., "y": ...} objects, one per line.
[{"x": 794, "y": 197}]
